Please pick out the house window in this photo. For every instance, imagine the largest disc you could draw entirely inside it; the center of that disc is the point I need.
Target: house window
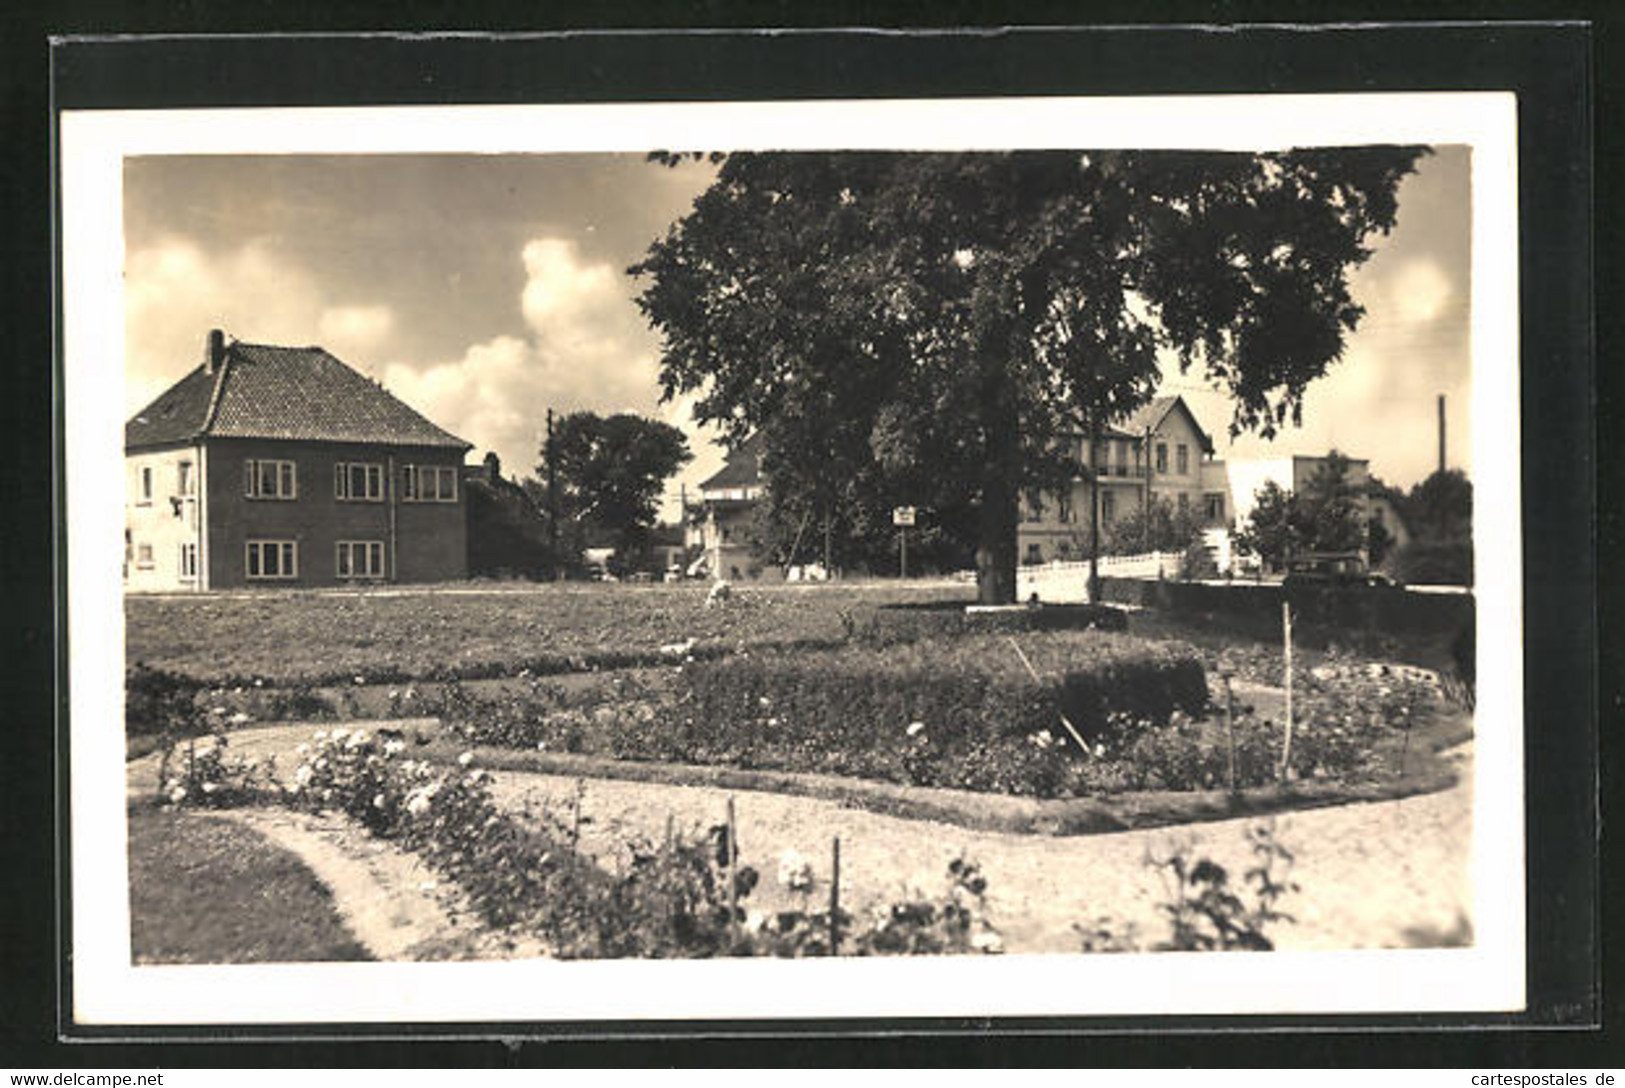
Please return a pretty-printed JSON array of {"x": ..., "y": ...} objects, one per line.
[
  {"x": 189, "y": 560},
  {"x": 1108, "y": 507},
  {"x": 1184, "y": 454},
  {"x": 1162, "y": 457},
  {"x": 358, "y": 482},
  {"x": 143, "y": 556},
  {"x": 430, "y": 483},
  {"x": 361, "y": 559},
  {"x": 1122, "y": 458},
  {"x": 264, "y": 479},
  {"x": 146, "y": 485},
  {"x": 1184, "y": 503},
  {"x": 1215, "y": 507},
  {"x": 1035, "y": 508},
  {"x": 185, "y": 483},
  {"x": 1064, "y": 507},
  {"x": 1035, "y": 554},
  {"x": 272, "y": 559}
]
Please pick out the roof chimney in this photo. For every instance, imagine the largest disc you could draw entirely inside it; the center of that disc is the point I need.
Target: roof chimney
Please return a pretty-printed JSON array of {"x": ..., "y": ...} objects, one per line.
[{"x": 215, "y": 352}]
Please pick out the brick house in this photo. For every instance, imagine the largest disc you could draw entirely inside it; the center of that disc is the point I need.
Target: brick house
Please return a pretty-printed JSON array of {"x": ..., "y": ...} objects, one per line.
[{"x": 281, "y": 466}]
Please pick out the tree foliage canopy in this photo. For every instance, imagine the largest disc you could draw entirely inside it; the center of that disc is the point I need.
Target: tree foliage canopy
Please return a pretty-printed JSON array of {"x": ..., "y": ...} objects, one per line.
[
  {"x": 611, "y": 469},
  {"x": 930, "y": 327},
  {"x": 1326, "y": 516}
]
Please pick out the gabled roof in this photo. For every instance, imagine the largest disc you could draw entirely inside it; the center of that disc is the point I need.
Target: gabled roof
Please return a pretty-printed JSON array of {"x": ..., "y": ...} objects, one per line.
[
  {"x": 743, "y": 467},
  {"x": 1149, "y": 417},
  {"x": 265, "y": 391}
]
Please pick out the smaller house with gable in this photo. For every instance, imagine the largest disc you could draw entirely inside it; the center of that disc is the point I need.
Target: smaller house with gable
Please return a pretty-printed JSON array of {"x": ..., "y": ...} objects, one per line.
[
  {"x": 1160, "y": 452},
  {"x": 282, "y": 466}
]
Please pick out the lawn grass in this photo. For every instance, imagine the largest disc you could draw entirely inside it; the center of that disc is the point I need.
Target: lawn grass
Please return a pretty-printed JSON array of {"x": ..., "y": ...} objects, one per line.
[
  {"x": 295, "y": 637},
  {"x": 204, "y": 889}
]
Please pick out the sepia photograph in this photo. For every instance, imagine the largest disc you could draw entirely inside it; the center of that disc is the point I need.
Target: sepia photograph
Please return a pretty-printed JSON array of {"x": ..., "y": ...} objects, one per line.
[{"x": 880, "y": 558}]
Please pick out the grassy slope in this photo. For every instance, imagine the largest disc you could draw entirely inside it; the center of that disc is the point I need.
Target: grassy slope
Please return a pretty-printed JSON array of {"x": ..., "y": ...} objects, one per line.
[
  {"x": 291, "y": 635},
  {"x": 206, "y": 890}
]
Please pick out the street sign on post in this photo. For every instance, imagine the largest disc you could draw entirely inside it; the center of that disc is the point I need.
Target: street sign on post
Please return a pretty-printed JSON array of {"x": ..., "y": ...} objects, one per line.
[{"x": 902, "y": 517}]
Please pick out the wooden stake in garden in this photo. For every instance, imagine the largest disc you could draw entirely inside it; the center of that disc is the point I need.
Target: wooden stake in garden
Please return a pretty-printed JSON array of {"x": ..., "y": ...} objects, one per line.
[
  {"x": 1230, "y": 729},
  {"x": 835, "y": 897},
  {"x": 1286, "y": 638},
  {"x": 732, "y": 854},
  {"x": 1070, "y": 728}
]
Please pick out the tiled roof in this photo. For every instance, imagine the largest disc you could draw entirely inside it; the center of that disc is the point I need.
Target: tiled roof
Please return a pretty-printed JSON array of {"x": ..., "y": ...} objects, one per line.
[
  {"x": 743, "y": 467},
  {"x": 263, "y": 391},
  {"x": 1149, "y": 417}
]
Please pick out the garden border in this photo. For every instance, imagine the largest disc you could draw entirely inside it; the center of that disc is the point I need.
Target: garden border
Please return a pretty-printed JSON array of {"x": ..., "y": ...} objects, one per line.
[{"x": 1132, "y": 811}]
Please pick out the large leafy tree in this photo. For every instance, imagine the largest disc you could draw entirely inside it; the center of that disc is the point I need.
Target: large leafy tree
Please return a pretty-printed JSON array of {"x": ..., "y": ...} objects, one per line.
[
  {"x": 941, "y": 326},
  {"x": 610, "y": 471}
]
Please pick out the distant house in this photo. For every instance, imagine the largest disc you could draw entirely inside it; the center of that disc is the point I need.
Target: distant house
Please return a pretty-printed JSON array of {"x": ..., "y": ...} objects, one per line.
[
  {"x": 507, "y": 532},
  {"x": 721, "y": 525},
  {"x": 282, "y": 466},
  {"x": 1160, "y": 452}
]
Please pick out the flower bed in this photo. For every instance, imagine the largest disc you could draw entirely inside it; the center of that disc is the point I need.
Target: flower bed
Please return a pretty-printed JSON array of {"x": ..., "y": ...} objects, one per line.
[
  {"x": 684, "y": 897},
  {"x": 962, "y": 713}
]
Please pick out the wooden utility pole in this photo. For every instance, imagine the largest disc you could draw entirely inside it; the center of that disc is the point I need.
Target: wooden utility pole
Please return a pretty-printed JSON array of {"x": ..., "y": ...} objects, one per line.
[{"x": 553, "y": 501}]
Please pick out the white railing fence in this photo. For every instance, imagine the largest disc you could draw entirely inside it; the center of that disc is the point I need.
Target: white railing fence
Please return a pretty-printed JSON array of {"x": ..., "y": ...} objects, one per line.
[{"x": 1069, "y": 580}]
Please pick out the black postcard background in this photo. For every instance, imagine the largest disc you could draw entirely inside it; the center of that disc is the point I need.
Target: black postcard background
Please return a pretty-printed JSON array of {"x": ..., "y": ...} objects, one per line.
[{"x": 1548, "y": 65}]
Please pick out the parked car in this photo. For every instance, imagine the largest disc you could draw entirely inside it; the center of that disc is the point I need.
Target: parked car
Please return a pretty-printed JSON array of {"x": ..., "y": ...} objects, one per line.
[{"x": 1325, "y": 569}]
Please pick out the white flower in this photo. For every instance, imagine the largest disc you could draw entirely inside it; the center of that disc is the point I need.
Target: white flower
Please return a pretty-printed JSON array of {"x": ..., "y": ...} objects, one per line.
[
  {"x": 764, "y": 702},
  {"x": 915, "y": 728},
  {"x": 177, "y": 795},
  {"x": 357, "y": 739},
  {"x": 258, "y": 682},
  {"x": 209, "y": 787},
  {"x": 795, "y": 871},
  {"x": 394, "y": 747},
  {"x": 754, "y": 921},
  {"x": 321, "y": 735},
  {"x": 987, "y": 941},
  {"x": 301, "y": 777},
  {"x": 1100, "y": 750},
  {"x": 360, "y": 679},
  {"x": 239, "y": 718},
  {"x": 377, "y": 800},
  {"x": 340, "y": 734},
  {"x": 393, "y": 693},
  {"x": 218, "y": 711},
  {"x": 465, "y": 759},
  {"x": 303, "y": 750}
]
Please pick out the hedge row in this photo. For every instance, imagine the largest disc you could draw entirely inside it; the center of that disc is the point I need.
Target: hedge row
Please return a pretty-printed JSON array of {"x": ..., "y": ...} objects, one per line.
[
  {"x": 962, "y": 713},
  {"x": 912, "y": 622}
]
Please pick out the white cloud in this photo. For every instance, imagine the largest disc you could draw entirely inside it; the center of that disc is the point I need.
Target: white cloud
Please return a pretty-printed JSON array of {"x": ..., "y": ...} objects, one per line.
[
  {"x": 355, "y": 331},
  {"x": 175, "y": 292}
]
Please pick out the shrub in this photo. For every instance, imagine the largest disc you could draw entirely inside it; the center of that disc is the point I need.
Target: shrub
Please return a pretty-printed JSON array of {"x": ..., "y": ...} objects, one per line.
[
  {"x": 158, "y": 702},
  {"x": 208, "y": 778},
  {"x": 1204, "y": 911}
]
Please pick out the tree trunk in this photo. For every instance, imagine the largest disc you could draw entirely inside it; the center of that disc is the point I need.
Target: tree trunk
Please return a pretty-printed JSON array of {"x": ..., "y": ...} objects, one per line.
[{"x": 998, "y": 513}]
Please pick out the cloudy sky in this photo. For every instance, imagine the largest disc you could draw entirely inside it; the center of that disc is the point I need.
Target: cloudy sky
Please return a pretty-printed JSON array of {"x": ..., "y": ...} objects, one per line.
[{"x": 483, "y": 290}]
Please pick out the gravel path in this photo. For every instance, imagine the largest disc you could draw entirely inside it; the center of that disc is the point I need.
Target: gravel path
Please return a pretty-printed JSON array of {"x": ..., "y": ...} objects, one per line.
[{"x": 1384, "y": 874}]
